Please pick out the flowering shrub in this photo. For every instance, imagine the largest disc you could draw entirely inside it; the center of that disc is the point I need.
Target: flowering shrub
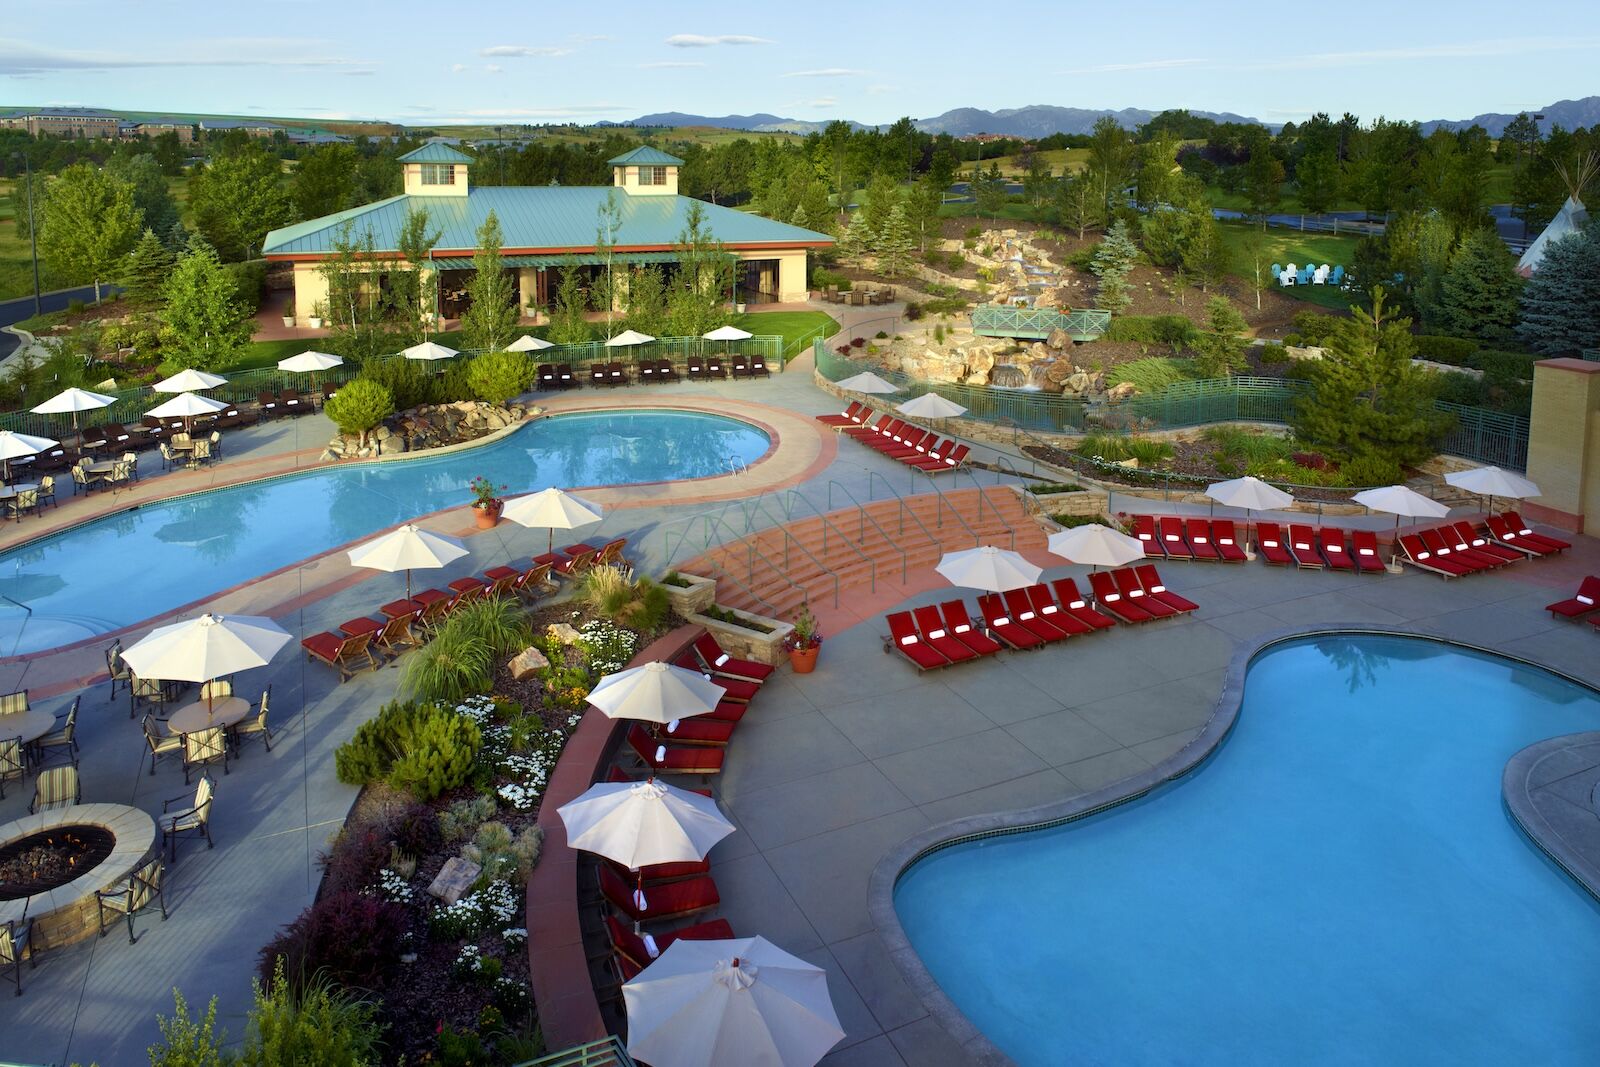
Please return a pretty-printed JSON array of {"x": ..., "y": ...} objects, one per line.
[
  {"x": 530, "y": 772},
  {"x": 607, "y": 647},
  {"x": 350, "y": 938},
  {"x": 492, "y": 907},
  {"x": 393, "y": 887},
  {"x": 473, "y": 965},
  {"x": 515, "y": 936}
]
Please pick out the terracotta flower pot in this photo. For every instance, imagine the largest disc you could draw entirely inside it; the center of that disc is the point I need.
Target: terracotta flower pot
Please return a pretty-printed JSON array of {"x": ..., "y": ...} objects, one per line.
[
  {"x": 487, "y": 517},
  {"x": 804, "y": 660}
]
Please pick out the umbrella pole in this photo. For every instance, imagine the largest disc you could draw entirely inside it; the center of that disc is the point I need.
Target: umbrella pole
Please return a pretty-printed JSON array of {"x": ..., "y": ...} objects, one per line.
[{"x": 408, "y": 583}]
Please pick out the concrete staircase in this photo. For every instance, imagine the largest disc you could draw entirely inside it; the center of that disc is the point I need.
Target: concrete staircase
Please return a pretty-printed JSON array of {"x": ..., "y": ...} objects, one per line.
[{"x": 873, "y": 555}]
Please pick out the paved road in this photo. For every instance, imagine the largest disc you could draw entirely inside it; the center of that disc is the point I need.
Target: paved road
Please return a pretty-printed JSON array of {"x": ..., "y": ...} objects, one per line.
[{"x": 14, "y": 311}]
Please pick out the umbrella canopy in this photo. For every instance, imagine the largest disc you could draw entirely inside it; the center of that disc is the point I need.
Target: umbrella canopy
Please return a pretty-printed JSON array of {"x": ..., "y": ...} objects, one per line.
[
  {"x": 429, "y": 350},
  {"x": 728, "y": 333},
  {"x": 656, "y": 692},
  {"x": 208, "y": 647},
  {"x": 629, "y": 337},
  {"x": 867, "y": 382},
  {"x": 639, "y": 824},
  {"x": 553, "y": 509},
  {"x": 931, "y": 406},
  {"x": 730, "y": 1004},
  {"x": 308, "y": 362},
  {"x": 188, "y": 381},
  {"x": 407, "y": 548},
  {"x": 989, "y": 568},
  {"x": 1249, "y": 493},
  {"x": 1096, "y": 545},
  {"x": 1398, "y": 500},
  {"x": 17, "y": 445},
  {"x": 185, "y": 405},
  {"x": 528, "y": 343},
  {"x": 1485, "y": 481},
  {"x": 74, "y": 400}
]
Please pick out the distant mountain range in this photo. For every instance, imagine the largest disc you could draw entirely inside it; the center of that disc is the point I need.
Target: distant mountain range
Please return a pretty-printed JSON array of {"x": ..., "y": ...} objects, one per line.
[{"x": 1568, "y": 114}]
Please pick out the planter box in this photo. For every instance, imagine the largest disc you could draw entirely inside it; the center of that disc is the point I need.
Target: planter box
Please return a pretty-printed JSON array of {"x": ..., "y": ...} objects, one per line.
[
  {"x": 700, "y": 594},
  {"x": 741, "y": 643},
  {"x": 1084, "y": 502}
]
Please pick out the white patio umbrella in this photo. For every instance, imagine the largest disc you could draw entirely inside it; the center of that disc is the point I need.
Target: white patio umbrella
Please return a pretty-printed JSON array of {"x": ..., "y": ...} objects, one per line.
[
  {"x": 867, "y": 382},
  {"x": 310, "y": 362},
  {"x": 1250, "y": 493},
  {"x": 188, "y": 381},
  {"x": 656, "y": 692},
  {"x": 640, "y": 824},
  {"x": 988, "y": 568},
  {"x": 428, "y": 350},
  {"x": 204, "y": 648},
  {"x": 74, "y": 400},
  {"x": 628, "y": 338},
  {"x": 16, "y": 445},
  {"x": 1096, "y": 545},
  {"x": 728, "y": 333},
  {"x": 407, "y": 548},
  {"x": 1398, "y": 500},
  {"x": 553, "y": 509},
  {"x": 931, "y": 406},
  {"x": 186, "y": 406},
  {"x": 730, "y": 1004},
  {"x": 1485, "y": 481},
  {"x": 528, "y": 343}
]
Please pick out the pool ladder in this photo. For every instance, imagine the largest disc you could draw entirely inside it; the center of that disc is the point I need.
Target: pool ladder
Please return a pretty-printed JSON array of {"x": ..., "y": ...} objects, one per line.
[{"x": 737, "y": 465}]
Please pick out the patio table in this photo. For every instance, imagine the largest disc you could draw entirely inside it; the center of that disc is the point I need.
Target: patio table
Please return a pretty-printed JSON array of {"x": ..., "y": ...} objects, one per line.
[
  {"x": 29, "y": 725},
  {"x": 10, "y": 491},
  {"x": 193, "y": 717}
]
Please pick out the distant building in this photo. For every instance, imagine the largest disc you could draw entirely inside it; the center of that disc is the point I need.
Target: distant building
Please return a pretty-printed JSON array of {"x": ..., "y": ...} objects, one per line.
[
  {"x": 253, "y": 128},
  {"x": 156, "y": 127},
  {"x": 82, "y": 123},
  {"x": 547, "y": 227}
]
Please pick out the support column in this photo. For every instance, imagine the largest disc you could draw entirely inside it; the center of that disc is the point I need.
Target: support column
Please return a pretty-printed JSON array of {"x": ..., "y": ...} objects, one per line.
[{"x": 1564, "y": 443}]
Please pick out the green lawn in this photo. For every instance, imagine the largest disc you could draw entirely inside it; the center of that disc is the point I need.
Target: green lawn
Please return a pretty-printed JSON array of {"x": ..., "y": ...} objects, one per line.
[{"x": 1290, "y": 246}]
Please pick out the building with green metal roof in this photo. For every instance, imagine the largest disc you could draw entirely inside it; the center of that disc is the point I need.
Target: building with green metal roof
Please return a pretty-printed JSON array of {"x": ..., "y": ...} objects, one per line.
[{"x": 547, "y": 227}]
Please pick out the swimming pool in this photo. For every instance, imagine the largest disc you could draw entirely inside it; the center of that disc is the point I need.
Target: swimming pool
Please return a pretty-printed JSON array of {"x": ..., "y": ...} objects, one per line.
[
  {"x": 1339, "y": 883},
  {"x": 137, "y": 564}
]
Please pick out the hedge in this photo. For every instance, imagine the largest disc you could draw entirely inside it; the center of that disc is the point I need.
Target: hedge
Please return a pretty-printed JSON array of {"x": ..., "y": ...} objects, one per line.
[
  {"x": 1456, "y": 351},
  {"x": 1150, "y": 329}
]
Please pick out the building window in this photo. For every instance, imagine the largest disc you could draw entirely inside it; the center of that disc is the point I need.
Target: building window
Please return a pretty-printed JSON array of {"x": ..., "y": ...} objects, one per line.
[
  {"x": 652, "y": 175},
  {"x": 438, "y": 174}
]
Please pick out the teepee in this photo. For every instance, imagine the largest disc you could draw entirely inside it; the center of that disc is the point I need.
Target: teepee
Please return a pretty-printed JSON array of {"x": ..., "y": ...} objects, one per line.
[{"x": 1570, "y": 219}]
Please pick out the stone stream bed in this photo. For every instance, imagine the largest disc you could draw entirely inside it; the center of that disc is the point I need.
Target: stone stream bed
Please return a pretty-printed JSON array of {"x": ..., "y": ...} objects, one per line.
[{"x": 429, "y": 426}]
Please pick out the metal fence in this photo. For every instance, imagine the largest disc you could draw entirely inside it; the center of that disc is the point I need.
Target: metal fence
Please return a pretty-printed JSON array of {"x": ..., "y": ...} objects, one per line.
[
  {"x": 1000, "y": 320},
  {"x": 607, "y": 1052},
  {"x": 1479, "y": 434}
]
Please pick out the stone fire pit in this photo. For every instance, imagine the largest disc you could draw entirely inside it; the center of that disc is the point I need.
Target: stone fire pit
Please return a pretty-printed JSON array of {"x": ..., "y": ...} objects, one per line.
[{"x": 67, "y": 912}]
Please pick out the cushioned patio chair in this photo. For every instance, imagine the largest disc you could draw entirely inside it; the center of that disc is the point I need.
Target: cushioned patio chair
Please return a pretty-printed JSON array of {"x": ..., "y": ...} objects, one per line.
[
  {"x": 1270, "y": 547},
  {"x": 1330, "y": 542},
  {"x": 665, "y": 371},
  {"x": 128, "y": 898},
  {"x": 202, "y": 747},
  {"x": 1530, "y": 544},
  {"x": 1434, "y": 541},
  {"x": 739, "y": 690},
  {"x": 697, "y": 730},
  {"x": 1463, "y": 538},
  {"x": 57, "y": 787},
  {"x": 1023, "y": 613},
  {"x": 1579, "y": 604},
  {"x": 1421, "y": 557},
  {"x": 62, "y": 742},
  {"x": 187, "y": 815},
  {"x": 1156, "y": 590},
  {"x": 673, "y": 759},
  {"x": 1170, "y": 532},
  {"x": 255, "y": 726},
  {"x": 953, "y": 460},
  {"x": 1226, "y": 540},
  {"x": 937, "y": 635},
  {"x": 1198, "y": 533},
  {"x": 159, "y": 743},
  {"x": 674, "y": 900},
  {"x": 1365, "y": 551},
  {"x": 1134, "y": 592},
  {"x": 959, "y": 622},
  {"x": 904, "y": 639},
  {"x": 717, "y": 661},
  {"x": 1049, "y": 610},
  {"x": 1002, "y": 627},
  {"x": 1112, "y": 602},
  {"x": 1302, "y": 546},
  {"x": 1525, "y": 531},
  {"x": 15, "y": 942},
  {"x": 640, "y": 950},
  {"x": 1075, "y": 604},
  {"x": 599, "y": 373}
]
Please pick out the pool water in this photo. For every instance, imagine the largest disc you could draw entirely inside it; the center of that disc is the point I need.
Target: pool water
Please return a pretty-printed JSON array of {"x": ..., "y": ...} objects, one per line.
[
  {"x": 136, "y": 564},
  {"x": 1339, "y": 884}
]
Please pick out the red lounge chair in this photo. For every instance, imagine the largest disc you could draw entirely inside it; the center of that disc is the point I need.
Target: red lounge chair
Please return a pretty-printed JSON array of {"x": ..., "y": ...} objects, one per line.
[
  {"x": 1270, "y": 541},
  {"x": 698, "y": 730},
  {"x": 563, "y": 566},
  {"x": 670, "y": 759},
  {"x": 671, "y": 901},
  {"x": 937, "y": 635},
  {"x": 955, "y": 460},
  {"x": 726, "y": 711},
  {"x": 904, "y": 639},
  {"x": 661, "y": 873},
  {"x": 1420, "y": 556},
  {"x": 1144, "y": 528},
  {"x": 1462, "y": 537},
  {"x": 469, "y": 587},
  {"x": 1523, "y": 530},
  {"x": 1366, "y": 556},
  {"x": 1155, "y": 591},
  {"x": 1506, "y": 534},
  {"x": 1172, "y": 542},
  {"x": 1199, "y": 534},
  {"x": 1106, "y": 595},
  {"x": 343, "y": 654},
  {"x": 635, "y": 949},
  {"x": 357, "y": 627},
  {"x": 1435, "y": 542},
  {"x": 617, "y": 774},
  {"x": 1073, "y": 603},
  {"x": 912, "y": 443},
  {"x": 864, "y": 429},
  {"x": 1330, "y": 540},
  {"x": 396, "y": 609},
  {"x": 1226, "y": 539},
  {"x": 396, "y": 635},
  {"x": 850, "y": 416},
  {"x": 737, "y": 690},
  {"x": 1581, "y": 603},
  {"x": 1021, "y": 609},
  {"x": 719, "y": 662},
  {"x": 1130, "y": 587},
  {"x": 959, "y": 623},
  {"x": 1001, "y": 626},
  {"x": 1045, "y": 604},
  {"x": 1303, "y": 547}
]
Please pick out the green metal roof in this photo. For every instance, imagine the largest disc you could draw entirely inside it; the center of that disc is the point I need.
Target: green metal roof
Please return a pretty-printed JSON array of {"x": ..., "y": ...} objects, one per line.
[
  {"x": 547, "y": 219},
  {"x": 588, "y": 259},
  {"x": 647, "y": 156},
  {"x": 434, "y": 152}
]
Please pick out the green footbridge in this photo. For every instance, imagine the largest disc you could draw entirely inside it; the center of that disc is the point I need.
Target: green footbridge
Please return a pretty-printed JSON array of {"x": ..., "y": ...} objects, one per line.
[{"x": 998, "y": 320}]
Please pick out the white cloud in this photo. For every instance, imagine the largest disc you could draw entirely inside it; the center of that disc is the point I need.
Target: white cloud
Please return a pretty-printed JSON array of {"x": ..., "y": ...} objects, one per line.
[
  {"x": 457, "y": 68},
  {"x": 570, "y": 111},
  {"x": 823, "y": 101},
  {"x": 826, "y": 72},
  {"x": 1149, "y": 64},
  {"x": 525, "y": 50},
  {"x": 493, "y": 68},
  {"x": 672, "y": 64},
  {"x": 23, "y": 58},
  {"x": 698, "y": 40}
]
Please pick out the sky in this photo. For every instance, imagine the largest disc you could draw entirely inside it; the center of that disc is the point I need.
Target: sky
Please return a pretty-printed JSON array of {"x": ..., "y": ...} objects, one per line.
[{"x": 534, "y": 62}]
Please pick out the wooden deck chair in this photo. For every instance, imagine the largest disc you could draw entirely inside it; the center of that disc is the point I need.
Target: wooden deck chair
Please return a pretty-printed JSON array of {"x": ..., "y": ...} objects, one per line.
[{"x": 343, "y": 654}]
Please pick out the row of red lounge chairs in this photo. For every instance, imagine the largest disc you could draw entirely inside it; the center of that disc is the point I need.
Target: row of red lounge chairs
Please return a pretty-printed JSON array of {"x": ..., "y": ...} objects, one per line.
[
  {"x": 930, "y": 637},
  {"x": 1584, "y": 604},
  {"x": 898, "y": 439},
  {"x": 696, "y": 368},
  {"x": 1172, "y": 537},
  {"x": 1459, "y": 548}
]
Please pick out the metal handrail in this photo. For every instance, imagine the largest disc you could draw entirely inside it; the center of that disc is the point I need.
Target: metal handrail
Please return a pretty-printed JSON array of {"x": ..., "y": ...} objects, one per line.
[
  {"x": 984, "y": 501},
  {"x": 940, "y": 503},
  {"x": 752, "y": 553},
  {"x": 788, "y": 538},
  {"x": 858, "y": 545},
  {"x": 901, "y": 512},
  {"x": 720, "y": 572},
  {"x": 609, "y": 1051}
]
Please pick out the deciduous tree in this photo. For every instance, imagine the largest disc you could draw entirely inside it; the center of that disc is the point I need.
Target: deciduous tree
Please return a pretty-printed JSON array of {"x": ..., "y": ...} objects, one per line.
[
  {"x": 236, "y": 199},
  {"x": 204, "y": 324},
  {"x": 88, "y": 224},
  {"x": 1263, "y": 180},
  {"x": 567, "y": 323},
  {"x": 416, "y": 289},
  {"x": 491, "y": 313},
  {"x": 151, "y": 194}
]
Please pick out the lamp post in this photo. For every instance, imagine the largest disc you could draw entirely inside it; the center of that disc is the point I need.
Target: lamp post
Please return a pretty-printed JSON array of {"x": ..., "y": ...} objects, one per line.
[{"x": 33, "y": 231}]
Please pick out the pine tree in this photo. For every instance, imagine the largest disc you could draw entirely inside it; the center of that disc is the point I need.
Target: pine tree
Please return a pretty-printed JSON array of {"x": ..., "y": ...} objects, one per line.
[
  {"x": 1219, "y": 349},
  {"x": 1561, "y": 304},
  {"x": 1479, "y": 294},
  {"x": 204, "y": 323},
  {"x": 145, "y": 272},
  {"x": 895, "y": 243},
  {"x": 1111, "y": 263},
  {"x": 856, "y": 238},
  {"x": 1204, "y": 254},
  {"x": 492, "y": 312},
  {"x": 567, "y": 324}
]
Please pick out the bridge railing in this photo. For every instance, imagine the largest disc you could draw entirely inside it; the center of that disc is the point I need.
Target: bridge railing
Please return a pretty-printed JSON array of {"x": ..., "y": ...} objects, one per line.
[{"x": 1006, "y": 321}]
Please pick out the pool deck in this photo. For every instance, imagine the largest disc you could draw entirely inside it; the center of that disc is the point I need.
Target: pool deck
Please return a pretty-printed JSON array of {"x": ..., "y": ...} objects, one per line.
[{"x": 1553, "y": 791}]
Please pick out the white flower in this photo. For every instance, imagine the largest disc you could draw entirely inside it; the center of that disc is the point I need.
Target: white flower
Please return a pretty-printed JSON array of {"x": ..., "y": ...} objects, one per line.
[
  {"x": 392, "y": 887},
  {"x": 514, "y": 935}
]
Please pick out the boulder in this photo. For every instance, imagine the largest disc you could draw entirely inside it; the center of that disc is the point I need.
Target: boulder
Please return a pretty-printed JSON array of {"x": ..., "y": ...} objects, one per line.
[
  {"x": 1059, "y": 339},
  {"x": 1121, "y": 391},
  {"x": 527, "y": 663},
  {"x": 454, "y": 879},
  {"x": 560, "y": 631},
  {"x": 1077, "y": 384}
]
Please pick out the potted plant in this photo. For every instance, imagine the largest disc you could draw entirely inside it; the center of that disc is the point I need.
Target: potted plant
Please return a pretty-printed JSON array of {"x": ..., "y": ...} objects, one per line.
[
  {"x": 319, "y": 311},
  {"x": 486, "y": 502},
  {"x": 803, "y": 642},
  {"x": 288, "y": 312}
]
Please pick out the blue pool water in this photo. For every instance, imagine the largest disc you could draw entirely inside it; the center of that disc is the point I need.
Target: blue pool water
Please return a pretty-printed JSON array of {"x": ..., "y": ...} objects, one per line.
[
  {"x": 1338, "y": 884},
  {"x": 137, "y": 564}
]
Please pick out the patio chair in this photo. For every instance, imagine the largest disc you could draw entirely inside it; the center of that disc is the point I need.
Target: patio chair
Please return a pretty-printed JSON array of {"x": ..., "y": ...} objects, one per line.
[
  {"x": 546, "y": 377},
  {"x": 1173, "y": 544},
  {"x": 697, "y": 368},
  {"x": 665, "y": 371},
  {"x": 674, "y": 900},
  {"x": 867, "y": 429},
  {"x": 253, "y": 727},
  {"x": 216, "y": 689},
  {"x": 1421, "y": 557},
  {"x": 14, "y": 944},
  {"x": 395, "y": 635},
  {"x": 1023, "y": 612},
  {"x": 47, "y": 491},
  {"x": 599, "y": 373},
  {"x": 698, "y": 730},
  {"x": 93, "y": 439},
  {"x": 716, "y": 367},
  {"x": 567, "y": 567},
  {"x": 1144, "y": 528},
  {"x": 848, "y": 417},
  {"x": 468, "y": 589},
  {"x": 1330, "y": 542},
  {"x": 1134, "y": 592},
  {"x": 1463, "y": 538},
  {"x": 1073, "y": 603},
  {"x": 14, "y": 703},
  {"x": 675, "y": 759},
  {"x": 1001, "y": 626},
  {"x": 758, "y": 367},
  {"x": 952, "y": 461},
  {"x": 201, "y": 747},
  {"x": 1501, "y": 532},
  {"x": 534, "y": 582},
  {"x": 267, "y": 404},
  {"x": 150, "y": 691},
  {"x": 24, "y": 501},
  {"x": 344, "y": 654},
  {"x": 1269, "y": 542},
  {"x": 1434, "y": 541},
  {"x": 13, "y": 761},
  {"x": 1303, "y": 547},
  {"x": 1155, "y": 590},
  {"x": 293, "y": 403},
  {"x": 711, "y": 654},
  {"x": 142, "y": 889},
  {"x": 740, "y": 365},
  {"x": 63, "y": 741},
  {"x": 1045, "y": 605},
  {"x": 118, "y": 670},
  {"x": 169, "y": 458},
  {"x": 1110, "y": 599},
  {"x": 616, "y": 373},
  {"x": 200, "y": 453},
  {"x": 1226, "y": 540},
  {"x": 636, "y": 952},
  {"x": 435, "y": 605},
  {"x": 937, "y": 636},
  {"x": 734, "y": 690},
  {"x": 1523, "y": 530},
  {"x": 904, "y": 639},
  {"x": 192, "y": 817},
  {"x": 646, "y": 369},
  {"x": 216, "y": 443},
  {"x": 57, "y": 787},
  {"x": 1579, "y": 604},
  {"x": 1198, "y": 532},
  {"x": 959, "y": 623},
  {"x": 565, "y": 378},
  {"x": 1365, "y": 554},
  {"x": 155, "y": 429},
  {"x": 82, "y": 479}
]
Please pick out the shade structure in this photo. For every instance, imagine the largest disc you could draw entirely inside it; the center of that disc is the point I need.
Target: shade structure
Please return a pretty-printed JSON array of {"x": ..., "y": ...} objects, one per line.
[
  {"x": 628, "y": 338},
  {"x": 529, "y": 343},
  {"x": 407, "y": 548},
  {"x": 1096, "y": 545},
  {"x": 428, "y": 350},
  {"x": 1398, "y": 500},
  {"x": 931, "y": 406},
  {"x": 1487, "y": 481},
  {"x": 186, "y": 405},
  {"x": 728, "y": 333},
  {"x": 310, "y": 362},
  {"x": 16, "y": 445},
  {"x": 989, "y": 568},
  {"x": 74, "y": 400},
  {"x": 552, "y": 509},
  {"x": 867, "y": 382},
  {"x": 1249, "y": 493},
  {"x": 211, "y": 646},
  {"x": 188, "y": 381},
  {"x": 656, "y": 692},
  {"x": 730, "y": 1004},
  {"x": 639, "y": 824}
]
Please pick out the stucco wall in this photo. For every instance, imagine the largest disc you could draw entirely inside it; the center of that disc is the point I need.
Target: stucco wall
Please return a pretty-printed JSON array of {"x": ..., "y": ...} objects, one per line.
[{"x": 1564, "y": 442}]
